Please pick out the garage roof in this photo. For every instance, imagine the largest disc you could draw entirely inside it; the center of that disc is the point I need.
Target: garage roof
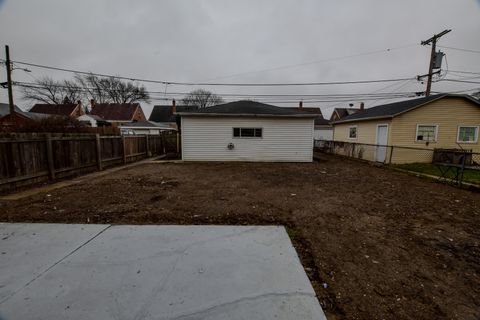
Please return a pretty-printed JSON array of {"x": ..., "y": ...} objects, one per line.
[{"x": 248, "y": 108}]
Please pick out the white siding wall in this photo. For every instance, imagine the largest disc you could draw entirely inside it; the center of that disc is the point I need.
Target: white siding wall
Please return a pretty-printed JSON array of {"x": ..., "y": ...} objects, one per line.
[
  {"x": 284, "y": 139},
  {"x": 323, "y": 134}
]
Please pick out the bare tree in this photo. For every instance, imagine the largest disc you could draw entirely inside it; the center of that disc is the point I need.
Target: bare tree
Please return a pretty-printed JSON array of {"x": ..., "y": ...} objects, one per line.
[
  {"x": 87, "y": 87},
  {"x": 201, "y": 99},
  {"x": 104, "y": 90},
  {"x": 47, "y": 90}
]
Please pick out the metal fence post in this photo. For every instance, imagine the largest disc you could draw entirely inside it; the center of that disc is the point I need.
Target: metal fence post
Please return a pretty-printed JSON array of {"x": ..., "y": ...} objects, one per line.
[
  {"x": 50, "y": 162},
  {"x": 462, "y": 169},
  {"x": 391, "y": 155}
]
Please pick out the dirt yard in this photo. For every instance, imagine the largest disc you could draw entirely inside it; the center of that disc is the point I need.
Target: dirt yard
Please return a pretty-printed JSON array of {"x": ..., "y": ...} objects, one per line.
[{"x": 376, "y": 244}]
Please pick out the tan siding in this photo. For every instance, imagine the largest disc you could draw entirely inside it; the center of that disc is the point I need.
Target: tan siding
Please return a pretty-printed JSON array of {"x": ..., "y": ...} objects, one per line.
[
  {"x": 366, "y": 133},
  {"x": 206, "y": 139},
  {"x": 448, "y": 113}
]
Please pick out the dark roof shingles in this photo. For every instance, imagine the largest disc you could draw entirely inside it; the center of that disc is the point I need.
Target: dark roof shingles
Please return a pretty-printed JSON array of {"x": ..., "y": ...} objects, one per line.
[
  {"x": 312, "y": 110},
  {"x": 250, "y": 107},
  {"x": 345, "y": 112},
  {"x": 143, "y": 124},
  {"x": 57, "y": 109},
  {"x": 163, "y": 113},
  {"x": 391, "y": 109},
  {"x": 115, "y": 111}
]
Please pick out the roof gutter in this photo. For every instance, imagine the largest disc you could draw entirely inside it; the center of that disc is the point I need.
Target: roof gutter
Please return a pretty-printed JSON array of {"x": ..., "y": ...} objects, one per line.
[{"x": 363, "y": 119}]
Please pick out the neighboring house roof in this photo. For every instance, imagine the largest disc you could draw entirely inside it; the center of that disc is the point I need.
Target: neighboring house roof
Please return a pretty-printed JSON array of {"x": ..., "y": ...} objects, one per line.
[
  {"x": 37, "y": 116},
  {"x": 5, "y": 109},
  {"x": 319, "y": 120},
  {"x": 248, "y": 108},
  {"x": 57, "y": 109},
  {"x": 313, "y": 110},
  {"x": 146, "y": 125},
  {"x": 163, "y": 113},
  {"x": 344, "y": 112},
  {"x": 115, "y": 111},
  {"x": 322, "y": 122},
  {"x": 88, "y": 117},
  {"x": 394, "y": 109},
  {"x": 91, "y": 116}
]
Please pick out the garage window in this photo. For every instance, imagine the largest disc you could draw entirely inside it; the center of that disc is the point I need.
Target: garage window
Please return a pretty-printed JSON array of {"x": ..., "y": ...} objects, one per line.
[
  {"x": 427, "y": 132},
  {"x": 247, "y": 132},
  {"x": 467, "y": 134},
  {"x": 352, "y": 132}
]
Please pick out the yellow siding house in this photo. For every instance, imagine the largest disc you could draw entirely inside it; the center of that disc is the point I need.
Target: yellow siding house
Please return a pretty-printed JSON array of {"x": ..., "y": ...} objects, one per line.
[{"x": 437, "y": 121}]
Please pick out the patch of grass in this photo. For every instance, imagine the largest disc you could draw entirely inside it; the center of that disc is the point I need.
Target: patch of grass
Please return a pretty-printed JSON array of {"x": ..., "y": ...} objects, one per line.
[
  {"x": 469, "y": 175},
  {"x": 292, "y": 233}
]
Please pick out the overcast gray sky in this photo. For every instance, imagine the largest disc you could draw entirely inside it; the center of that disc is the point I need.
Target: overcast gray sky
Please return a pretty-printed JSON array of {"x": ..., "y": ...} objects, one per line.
[{"x": 195, "y": 40}]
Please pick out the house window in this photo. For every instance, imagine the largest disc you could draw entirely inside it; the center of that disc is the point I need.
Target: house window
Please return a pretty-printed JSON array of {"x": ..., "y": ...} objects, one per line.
[
  {"x": 467, "y": 134},
  {"x": 352, "y": 133},
  {"x": 247, "y": 132},
  {"x": 426, "y": 132}
]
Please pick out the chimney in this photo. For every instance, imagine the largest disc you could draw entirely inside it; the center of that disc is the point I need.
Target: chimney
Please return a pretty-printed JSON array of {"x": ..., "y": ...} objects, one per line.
[
  {"x": 92, "y": 104},
  {"x": 300, "y": 105},
  {"x": 362, "y": 106},
  {"x": 174, "y": 107}
]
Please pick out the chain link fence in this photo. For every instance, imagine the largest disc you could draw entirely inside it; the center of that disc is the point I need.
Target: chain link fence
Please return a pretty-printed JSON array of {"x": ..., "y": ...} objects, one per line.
[{"x": 450, "y": 164}]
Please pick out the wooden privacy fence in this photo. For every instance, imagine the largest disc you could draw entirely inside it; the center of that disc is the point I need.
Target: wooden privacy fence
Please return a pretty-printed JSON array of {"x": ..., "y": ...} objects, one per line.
[{"x": 32, "y": 158}]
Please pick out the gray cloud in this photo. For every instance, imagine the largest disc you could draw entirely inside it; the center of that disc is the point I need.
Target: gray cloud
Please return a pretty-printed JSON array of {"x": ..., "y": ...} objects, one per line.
[{"x": 192, "y": 40}]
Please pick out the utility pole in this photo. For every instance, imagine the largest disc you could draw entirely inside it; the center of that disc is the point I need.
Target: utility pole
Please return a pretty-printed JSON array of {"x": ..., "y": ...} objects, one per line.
[
  {"x": 432, "y": 40},
  {"x": 9, "y": 82}
]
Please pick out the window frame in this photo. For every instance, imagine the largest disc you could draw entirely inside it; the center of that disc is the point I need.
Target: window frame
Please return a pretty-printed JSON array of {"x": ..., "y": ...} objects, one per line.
[
  {"x": 242, "y": 137},
  {"x": 356, "y": 132},
  {"x": 467, "y": 126},
  {"x": 427, "y": 125}
]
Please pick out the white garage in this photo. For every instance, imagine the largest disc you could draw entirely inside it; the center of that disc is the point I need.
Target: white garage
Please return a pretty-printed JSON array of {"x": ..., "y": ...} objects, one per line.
[{"x": 247, "y": 131}]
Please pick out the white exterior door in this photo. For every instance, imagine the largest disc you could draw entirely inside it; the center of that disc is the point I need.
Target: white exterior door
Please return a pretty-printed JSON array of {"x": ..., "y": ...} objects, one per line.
[{"x": 382, "y": 139}]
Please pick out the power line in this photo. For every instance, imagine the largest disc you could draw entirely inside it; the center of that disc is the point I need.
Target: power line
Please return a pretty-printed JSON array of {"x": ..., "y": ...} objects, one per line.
[
  {"x": 339, "y": 98},
  {"x": 464, "y": 81},
  {"x": 311, "y": 62},
  {"x": 262, "y": 96},
  {"x": 460, "y": 49},
  {"x": 402, "y": 85},
  {"x": 458, "y": 91},
  {"x": 212, "y": 84},
  {"x": 467, "y": 72},
  {"x": 305, "y": 101}
]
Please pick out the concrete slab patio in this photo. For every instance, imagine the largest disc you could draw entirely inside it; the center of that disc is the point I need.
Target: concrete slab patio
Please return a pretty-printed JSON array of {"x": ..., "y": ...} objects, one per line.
[{"x": 59, "y": 271}]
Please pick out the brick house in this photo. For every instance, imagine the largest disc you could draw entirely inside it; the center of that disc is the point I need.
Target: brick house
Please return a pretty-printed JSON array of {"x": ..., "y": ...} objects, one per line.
[
  {"x": 73, "y": 110},
  {"x": 118, "y": 113}
]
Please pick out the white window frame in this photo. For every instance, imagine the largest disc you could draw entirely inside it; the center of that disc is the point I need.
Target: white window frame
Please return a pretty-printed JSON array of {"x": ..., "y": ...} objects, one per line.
[
  {"x": 427, "y": 125},
  {"x": 348, "y": 132},
  {"x": 240, "y": 137},
  {"x": 467, "y": 126}
]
